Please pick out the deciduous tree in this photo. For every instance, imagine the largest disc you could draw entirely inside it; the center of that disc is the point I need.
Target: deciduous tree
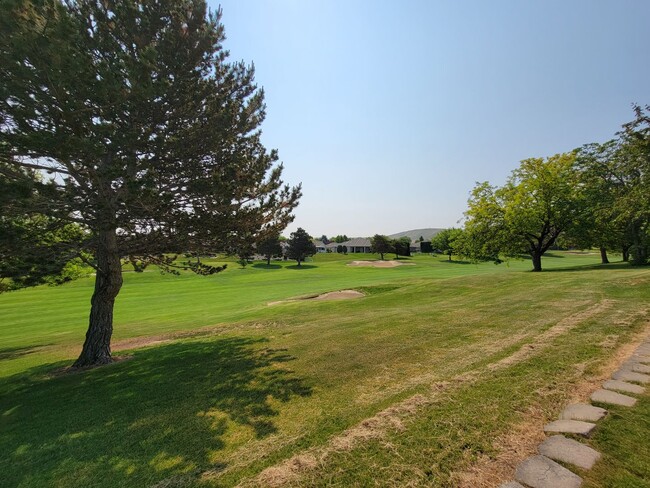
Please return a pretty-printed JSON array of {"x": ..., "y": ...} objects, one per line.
[
  {"x": 381, "y": 245},
  {"x": 540, "y": 200},
  {"x": 447, "y": 241},
  {"x": 401, "y": 247}
]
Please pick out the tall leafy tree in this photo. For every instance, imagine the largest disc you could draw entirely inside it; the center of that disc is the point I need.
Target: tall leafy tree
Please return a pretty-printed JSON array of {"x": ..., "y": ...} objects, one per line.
[
  {"x": 539, "y": 201},
  {"x": 381, "y": 245},
  {"x": 150, "y": 135},
  {"x": 634, "y": 172},
  {"x": 300, "y": 245},
  {"x": 615, "y": 181},
  {"x": 602, "y": 224}
]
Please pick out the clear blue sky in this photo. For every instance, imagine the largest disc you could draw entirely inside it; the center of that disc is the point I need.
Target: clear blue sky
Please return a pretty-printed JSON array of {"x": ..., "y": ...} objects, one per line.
[{"x": 389, "y": 112}]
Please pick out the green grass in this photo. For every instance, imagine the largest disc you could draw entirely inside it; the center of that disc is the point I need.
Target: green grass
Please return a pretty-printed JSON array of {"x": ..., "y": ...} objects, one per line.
[{"x": 255, "y": 384}]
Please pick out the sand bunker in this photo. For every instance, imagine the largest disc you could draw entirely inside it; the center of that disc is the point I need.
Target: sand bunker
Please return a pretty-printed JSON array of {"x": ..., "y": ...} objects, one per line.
[
  {"x": 378, "y": 264},
  {"x": 333, "y": 295},
  {"x": 340, "y": 295}
]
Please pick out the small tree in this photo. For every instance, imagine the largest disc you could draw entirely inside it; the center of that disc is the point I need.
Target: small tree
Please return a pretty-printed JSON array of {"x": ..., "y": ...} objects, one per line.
[
  {"x": 446, "y": 241},
  {"x": 402, "y": 247},
  {"x": 301, "y": 245},
  {"x": 381, "y": 245},
  {"x": 269, "y": 247},
  {"x": 341, "y": 238}
]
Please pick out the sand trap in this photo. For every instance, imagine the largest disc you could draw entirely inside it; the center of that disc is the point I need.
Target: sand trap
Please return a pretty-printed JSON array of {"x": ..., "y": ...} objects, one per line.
[
  {"x": 378, "y": 264},
  {"x": 333, "y": 295},
  {"x": 340, "y": 295}
]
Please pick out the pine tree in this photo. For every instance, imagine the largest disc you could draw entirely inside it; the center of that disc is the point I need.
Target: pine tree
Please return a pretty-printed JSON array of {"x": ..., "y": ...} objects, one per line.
[
  {"x": 300, "y": 245},
  {"x": 152, "y": 137}
]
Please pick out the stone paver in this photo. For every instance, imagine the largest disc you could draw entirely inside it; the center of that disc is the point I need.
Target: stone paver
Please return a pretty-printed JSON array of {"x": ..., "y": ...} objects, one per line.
[
  {"x": 584, "y": 412},
  {"x": 623, "y": 375},
  {"x": 623, "y": 386},
  {"x": 613, "y": 398},
  {"x": 641, "y": 368},
  {"x": 512, "y": 484},
  {"x": 640, "y": 358},
  {"x": 570, "y": 427},
  {"x": 541, "y": 472},
  {"x": 569, "y": 451}
]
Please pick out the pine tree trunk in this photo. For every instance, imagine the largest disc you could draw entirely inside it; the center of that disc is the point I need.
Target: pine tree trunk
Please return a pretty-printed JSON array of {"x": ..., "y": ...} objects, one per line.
[
  {"x": 537, "y": 261},
  {"x": 108, "y": 281},
  {"x": 626, "y": 253},
  {"x": 603, "y": 256}
]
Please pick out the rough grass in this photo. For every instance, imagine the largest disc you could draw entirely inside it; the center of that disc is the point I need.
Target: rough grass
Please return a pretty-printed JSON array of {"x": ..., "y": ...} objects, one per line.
[{"x": 240, "y": 387}]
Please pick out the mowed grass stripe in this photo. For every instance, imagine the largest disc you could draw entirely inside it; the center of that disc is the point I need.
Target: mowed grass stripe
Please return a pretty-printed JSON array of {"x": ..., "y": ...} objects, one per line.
[{"x": 275, "y": 381}]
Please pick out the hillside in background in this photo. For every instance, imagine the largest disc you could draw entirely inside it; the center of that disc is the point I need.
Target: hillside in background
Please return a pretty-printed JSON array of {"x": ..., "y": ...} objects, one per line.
[{"x": 415, "y": 234}]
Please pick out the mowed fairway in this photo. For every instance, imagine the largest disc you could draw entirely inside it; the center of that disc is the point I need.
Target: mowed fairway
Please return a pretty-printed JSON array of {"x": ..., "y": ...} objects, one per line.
[{"x": 419, "y": 383}]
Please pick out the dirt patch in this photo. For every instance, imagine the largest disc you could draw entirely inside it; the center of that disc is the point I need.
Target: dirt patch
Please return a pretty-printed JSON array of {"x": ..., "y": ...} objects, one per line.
[
  {"x": 332, "y": 295},
  {"x": 379, "y": 264},
  {"x": 136, "y": 342}
]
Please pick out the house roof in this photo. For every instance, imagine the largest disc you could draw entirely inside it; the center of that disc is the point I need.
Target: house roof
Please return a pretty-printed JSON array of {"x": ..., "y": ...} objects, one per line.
[{"x": 358, "y": 242}]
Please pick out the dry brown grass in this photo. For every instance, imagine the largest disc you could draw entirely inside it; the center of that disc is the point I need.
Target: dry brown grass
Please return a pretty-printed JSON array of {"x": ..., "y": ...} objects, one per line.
[
  {"x": 512, "y": 447},
  {"x": 522, "y": 441},
  {"x": 562, "y": 327}
]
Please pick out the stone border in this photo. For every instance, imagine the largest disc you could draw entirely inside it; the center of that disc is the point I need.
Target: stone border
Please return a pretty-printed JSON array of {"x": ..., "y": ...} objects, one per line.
[{"x": 542, "y": 471}]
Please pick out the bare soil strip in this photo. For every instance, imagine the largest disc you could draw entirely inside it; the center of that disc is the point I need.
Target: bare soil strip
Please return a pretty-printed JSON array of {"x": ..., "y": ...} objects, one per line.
[
  {"x": 333, "y": 295},
  {"x": 558, "y": 329},
  {"x": 514, "y": 446}
]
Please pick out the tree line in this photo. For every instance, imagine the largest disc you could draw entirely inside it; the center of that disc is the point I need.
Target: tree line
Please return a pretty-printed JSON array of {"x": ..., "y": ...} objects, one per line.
[
  {"x": 597, "y": 196},
  {"x": 381, "y": 244}
]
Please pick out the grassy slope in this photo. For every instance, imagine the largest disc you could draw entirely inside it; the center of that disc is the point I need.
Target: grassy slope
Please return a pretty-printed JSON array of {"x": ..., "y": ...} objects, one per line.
[{"x": 267, "y": 382}]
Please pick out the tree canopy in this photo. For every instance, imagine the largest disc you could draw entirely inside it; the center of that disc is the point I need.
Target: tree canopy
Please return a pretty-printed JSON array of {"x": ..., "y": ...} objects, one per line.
[
  {"x": 381, "y": 245},
  {"x": 539, "y": 201},
  {"x": 613, "y": 177},
  {"x": 447, "y": 241},
  {"x": 150, "y": 137},
  {"x": 269, "y": 246},
  {"x": 300, "y": 245}
]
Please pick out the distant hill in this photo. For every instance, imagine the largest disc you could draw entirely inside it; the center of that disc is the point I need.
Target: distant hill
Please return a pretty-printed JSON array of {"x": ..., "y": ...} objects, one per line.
[{"x": 415, "y": 234}]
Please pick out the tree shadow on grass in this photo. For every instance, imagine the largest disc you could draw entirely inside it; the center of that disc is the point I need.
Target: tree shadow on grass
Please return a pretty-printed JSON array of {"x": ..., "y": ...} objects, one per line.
[
  {"x": 266, "y": 266},
  {"x": 15, "y": 352},
  {"x": 302, "y": 266},
  {"x": 169, "y": 411},
  {"x": 591, "y": 267}
]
